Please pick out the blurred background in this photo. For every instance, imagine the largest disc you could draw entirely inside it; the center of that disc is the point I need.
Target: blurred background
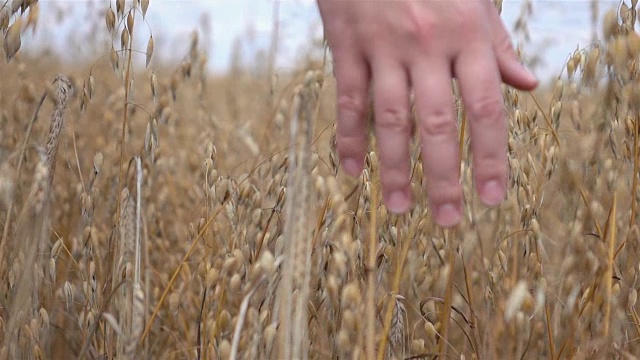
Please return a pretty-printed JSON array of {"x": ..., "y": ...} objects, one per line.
[
  {"x": 212, "y": 123},
  {"x": 554, "y": 29}
]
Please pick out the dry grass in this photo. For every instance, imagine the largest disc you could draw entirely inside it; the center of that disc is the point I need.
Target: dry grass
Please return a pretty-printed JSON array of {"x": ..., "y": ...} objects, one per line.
[{"x": 195, "y": 216}]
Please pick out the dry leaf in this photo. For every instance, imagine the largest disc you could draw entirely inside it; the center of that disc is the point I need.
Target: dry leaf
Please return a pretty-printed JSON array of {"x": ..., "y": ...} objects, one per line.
[
  {"x": 16, "y": 5},
  {"x": 130, "y": 21},
  {"x": 145, "y": 6},
  {"x": 12, "y": 40},
  {"x": 84, "y": 99},
  {"x": 92, "y": 84},
  {"x": 149, "y": 50},
  {"x": 624, "y": 11},
  {"x": 154, "y": 85},
  {"x": 32, "y": 19},
  {"x": 124, "y": 39},
  {"x": 97, "y": 162},
  {"x": 175, "y": 80},
  {"x": 151, "y": 140},
  {"x": 186, "y": 68},
  {"x": 113, "y": 58},
  {"x": 571, "y": 68},
  {"x": 110, "y": 20},
  {"x": 120, "y": 8},
  {"x": 633, "y": 43},
  {"x": 4, "y": 18},
  {"x": 609, "y": 24}
]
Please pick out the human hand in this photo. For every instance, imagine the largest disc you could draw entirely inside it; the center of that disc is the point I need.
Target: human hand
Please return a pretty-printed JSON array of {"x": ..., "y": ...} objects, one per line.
[{"x": 398, "y": 46}]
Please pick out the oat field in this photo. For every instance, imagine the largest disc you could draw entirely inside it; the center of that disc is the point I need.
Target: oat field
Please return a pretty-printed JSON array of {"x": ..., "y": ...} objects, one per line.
[{"x": 153, "y": 210}]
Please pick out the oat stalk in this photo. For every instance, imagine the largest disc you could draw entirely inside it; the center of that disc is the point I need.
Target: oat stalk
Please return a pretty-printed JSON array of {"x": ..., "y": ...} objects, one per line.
[
  {"x": 167, "y": 288},
  {"x": 371, "y": 273},
  {"x": 23, "y": 149},
  {"x": 294, "y": 288},
  {"x": 242, "y": 314},
  {"x": 397, "y": 276},
  {"x": 63, "y": 89},
  {"x": 125, "y": 113},
  {"x": 448, "y": 299},
  {"x": 636, "y": 159},
  {"x": 546, "y": 118},
  {"x": 611, "y": 240}
]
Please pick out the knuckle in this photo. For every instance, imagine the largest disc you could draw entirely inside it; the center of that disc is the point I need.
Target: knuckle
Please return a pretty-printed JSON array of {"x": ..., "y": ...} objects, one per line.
[
  {"x": 503, "y": 42},
  {"x": 424, "y": 28},
  {"x": 490, "y": 166},
  {"x": 420, "y": 27},
  {"x": 468, "y": 21},
  {"x": 395, "y": 175},
  {"x": 350, "y": 103},
  {"x": 444, "y": 190},
  {"x": 472, "y": 16},
  {"x": 395, "y": 120},
  {"x": 350, "y": 143},
  {"x": 487, "y": 109},
  {"x": 439, "y": 123}
]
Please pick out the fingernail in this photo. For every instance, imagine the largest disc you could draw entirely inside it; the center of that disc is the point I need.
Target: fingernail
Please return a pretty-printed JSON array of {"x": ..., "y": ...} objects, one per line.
[
  {"x": 351, "y": 166},
  {"x": 448, "y": 215},
  {"x": 492, "y": 193},
  {"x": 398, "y": 202}
]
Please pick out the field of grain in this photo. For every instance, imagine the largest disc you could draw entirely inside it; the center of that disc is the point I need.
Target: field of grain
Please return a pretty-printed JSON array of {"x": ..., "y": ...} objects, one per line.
[{"x": 162, "y": 212}]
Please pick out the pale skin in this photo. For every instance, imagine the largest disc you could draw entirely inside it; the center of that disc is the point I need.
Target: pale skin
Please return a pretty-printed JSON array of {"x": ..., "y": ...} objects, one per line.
[{"x": 396, "y": 48}]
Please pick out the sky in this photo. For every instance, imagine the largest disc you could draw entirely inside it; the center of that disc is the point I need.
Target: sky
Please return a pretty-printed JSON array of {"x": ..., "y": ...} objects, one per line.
[{"x": 556, "y": 27}]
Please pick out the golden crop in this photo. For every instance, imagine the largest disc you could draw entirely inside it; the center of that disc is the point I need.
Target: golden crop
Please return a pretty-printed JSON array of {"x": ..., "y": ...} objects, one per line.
[{"x": 195, "y": 216}]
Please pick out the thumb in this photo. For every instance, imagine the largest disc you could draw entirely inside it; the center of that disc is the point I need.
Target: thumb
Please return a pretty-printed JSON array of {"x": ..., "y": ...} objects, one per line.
[{"x": 512, "y": 71}]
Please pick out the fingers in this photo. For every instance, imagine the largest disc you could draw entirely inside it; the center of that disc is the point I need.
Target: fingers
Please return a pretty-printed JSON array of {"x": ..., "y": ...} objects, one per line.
[
  {"x": 393, "y": 133},
  {"x": 352, "y": 76},
  {"x": 479, "y": 54},
  {"x": 512, "y": 71},
  {"x": 479, "y": 81},
  {"x": 439, "y": 137}
]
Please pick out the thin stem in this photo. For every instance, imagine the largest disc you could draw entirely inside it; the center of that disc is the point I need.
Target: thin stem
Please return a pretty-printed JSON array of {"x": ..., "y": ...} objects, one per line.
[
  {"x": 634, "y": 187},
  {"x": 125, "y": 115},
  {"x": 371, "y": 266},
  {"x": 34, "y": 117}
]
